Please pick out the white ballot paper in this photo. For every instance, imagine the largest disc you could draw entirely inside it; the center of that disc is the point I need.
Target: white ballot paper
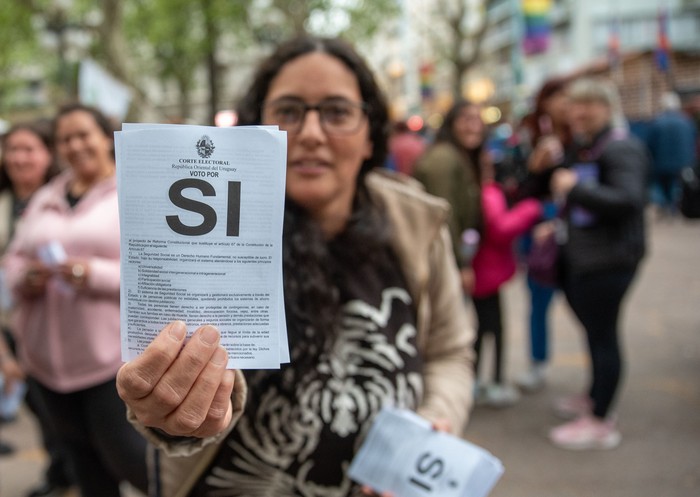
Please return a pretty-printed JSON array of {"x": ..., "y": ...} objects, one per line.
[
  {"x": 201, "y": 212},
  {"x": 403, "y": 455}
]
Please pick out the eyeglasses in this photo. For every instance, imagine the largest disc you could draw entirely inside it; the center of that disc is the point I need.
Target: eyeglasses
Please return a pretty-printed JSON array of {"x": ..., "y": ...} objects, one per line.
[{"x": 338, "y": 116}]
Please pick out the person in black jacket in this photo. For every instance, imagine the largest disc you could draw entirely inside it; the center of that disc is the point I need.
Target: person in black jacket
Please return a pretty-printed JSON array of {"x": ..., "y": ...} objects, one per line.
[{"x": 603, "y": 187}]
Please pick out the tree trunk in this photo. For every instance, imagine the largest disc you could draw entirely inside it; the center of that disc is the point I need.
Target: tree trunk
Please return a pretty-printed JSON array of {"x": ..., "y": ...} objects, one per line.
[
  {"x": 114, "y": 50},
  {"x": 212, "y": 33}
]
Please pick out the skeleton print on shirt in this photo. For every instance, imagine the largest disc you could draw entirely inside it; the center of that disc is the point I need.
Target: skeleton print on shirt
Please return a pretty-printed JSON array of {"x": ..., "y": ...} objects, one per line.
[{"x": 298, "y": 435}]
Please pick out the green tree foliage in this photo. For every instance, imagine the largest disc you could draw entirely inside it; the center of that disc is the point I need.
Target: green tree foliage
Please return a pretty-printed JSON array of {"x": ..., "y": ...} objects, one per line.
[
  {"x": 176, "y": 38},
  {"x": 178, "y": 43},
  {"x": 356, "y": 20},
  {"x": 17, "y": 37},
  {"x": 458, "y": 33}
]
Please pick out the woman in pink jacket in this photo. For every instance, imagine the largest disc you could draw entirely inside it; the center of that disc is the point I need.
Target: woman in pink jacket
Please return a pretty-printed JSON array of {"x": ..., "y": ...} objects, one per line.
[
  {"x": 493, "y": 265},
  {"x": 63, "y": 267}
]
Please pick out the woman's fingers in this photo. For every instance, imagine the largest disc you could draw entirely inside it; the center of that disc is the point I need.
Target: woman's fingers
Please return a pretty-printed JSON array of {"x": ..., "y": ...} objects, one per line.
[
  {"x": 442, "y": 424},
  {"x": 368, "y": 491},
  {"x": 196, "y": 408},
  {"x": 35, "y": 278},
  {"x": 218, "y": 415},
  {"x": 137, "y": 379},
  {"x": 183, "y": 390}
]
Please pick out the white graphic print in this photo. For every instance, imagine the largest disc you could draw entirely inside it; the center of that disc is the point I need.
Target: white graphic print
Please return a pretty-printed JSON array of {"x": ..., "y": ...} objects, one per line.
[{"x": 363, "y": 371}]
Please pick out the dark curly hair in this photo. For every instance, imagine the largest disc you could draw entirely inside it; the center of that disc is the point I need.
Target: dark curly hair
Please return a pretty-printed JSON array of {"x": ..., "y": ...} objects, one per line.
[
  {"x": 250, "y": 106},
  {"x": 549, "y": 88},
  {"x": 313, "y": 266}
]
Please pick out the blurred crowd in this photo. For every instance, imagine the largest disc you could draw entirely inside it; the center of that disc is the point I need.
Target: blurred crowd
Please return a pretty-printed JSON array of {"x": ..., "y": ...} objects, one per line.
[{"x": 433, "y": 222}]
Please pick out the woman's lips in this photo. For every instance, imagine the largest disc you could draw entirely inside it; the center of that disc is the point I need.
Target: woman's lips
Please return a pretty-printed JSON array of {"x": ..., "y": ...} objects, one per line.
[{"x": 309, "y": 166}]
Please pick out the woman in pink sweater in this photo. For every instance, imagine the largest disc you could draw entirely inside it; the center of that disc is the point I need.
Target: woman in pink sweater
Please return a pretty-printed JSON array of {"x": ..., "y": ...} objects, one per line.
[
  {"x": 493, "y": 265},
  {"x": 63, "y": 266}
]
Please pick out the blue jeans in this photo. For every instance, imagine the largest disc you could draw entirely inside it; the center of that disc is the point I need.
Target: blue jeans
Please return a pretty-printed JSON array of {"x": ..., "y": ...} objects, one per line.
[{"x": 540, "y": 298}]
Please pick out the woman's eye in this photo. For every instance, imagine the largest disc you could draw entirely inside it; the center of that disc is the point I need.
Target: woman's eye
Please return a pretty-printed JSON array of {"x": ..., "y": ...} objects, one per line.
[
  {"x": 287, "y": 113},
  {"x": 337, "y": 112}
]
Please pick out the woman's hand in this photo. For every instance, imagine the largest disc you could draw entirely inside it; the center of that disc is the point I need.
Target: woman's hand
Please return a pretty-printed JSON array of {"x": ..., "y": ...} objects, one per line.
[
  {"x": 467, "y": 277},
  {"x": 11, "y": 371},
  {"x": 442, "y": 424},
  {"x": 368, "y": 491},
  {"x": 563, "y": 180},
  {"x": 542, "y": 231},
  {"x": 33, "y": 283},
  {"x": 181, "y": 388},
  {"x": 548, "y": 153}
]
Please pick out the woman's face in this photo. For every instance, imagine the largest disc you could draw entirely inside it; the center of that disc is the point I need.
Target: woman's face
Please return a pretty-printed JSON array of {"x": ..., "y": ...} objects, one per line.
[
  {"x": 83, "y": 145},
  {"x": 557, "y": 107},
  {"x": 322, "y": 167},
  {"x": 468, "y": 127},
  {"x": 26, "y": 159},
  {"x": 589, "y": 117}
]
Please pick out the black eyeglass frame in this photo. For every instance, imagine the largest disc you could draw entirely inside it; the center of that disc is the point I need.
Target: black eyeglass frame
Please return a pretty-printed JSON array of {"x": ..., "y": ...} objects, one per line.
[{"x": 362, "y": 106}]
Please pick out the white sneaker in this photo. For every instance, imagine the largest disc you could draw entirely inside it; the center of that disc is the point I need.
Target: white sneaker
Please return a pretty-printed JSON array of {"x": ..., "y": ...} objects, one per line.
[
  {"x": 533, "y": 379},
  {"x": 500, "y": 395},
  {"x": 586, "y": 433},
  {"x": 480, "y": 393},
  {"x": 573, "y": 406}
]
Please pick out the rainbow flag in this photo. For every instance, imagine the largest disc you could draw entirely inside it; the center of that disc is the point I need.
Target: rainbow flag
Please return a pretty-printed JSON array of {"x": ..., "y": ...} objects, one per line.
[
  {"x": 662, "y": 54},
  {"x": 426, "y": 71},
  {"x": 537, "y": 26}
]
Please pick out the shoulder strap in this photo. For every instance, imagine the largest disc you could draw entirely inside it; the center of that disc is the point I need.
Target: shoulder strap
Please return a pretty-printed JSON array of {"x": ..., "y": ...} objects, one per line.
[{"x": 615, "y": 134}]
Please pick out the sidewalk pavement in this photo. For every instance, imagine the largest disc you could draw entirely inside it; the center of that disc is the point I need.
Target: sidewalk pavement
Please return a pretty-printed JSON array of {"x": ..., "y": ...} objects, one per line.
[
  {"x": 659, "y": 402},
  {"x": 659, "y": 405}
]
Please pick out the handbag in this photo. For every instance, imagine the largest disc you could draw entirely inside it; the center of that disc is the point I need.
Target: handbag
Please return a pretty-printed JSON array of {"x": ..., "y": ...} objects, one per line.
[
  {"x": 543, "y": 261},
  {"x": 544, "y": 258}
]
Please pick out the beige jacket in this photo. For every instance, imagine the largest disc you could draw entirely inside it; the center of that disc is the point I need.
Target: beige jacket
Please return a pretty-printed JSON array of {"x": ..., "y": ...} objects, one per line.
[{"x": 422, "y": 242}]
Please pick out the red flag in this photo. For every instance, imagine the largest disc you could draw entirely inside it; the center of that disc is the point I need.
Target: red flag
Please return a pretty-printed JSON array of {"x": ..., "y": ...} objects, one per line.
[{"x": 662, "y": 53}]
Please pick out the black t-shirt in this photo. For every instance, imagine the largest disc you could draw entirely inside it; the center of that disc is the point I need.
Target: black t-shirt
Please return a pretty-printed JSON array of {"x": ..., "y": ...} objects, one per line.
[{"x": 300, "y": 429}]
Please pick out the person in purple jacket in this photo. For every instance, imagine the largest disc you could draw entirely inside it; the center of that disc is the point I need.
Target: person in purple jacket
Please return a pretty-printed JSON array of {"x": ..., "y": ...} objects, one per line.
[{"x": 63, "y": 268}]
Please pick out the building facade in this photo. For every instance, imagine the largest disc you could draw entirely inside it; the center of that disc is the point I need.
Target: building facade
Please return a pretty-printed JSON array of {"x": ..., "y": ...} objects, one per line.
[{"x": 616, "y": 39}]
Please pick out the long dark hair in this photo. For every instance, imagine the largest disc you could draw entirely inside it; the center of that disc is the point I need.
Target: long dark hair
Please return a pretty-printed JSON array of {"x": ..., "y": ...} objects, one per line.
[
  {"x": 42, "y": 130},
  {"x": 313, "y": 266},
  {"x": 106, "y": 125},
  {"x": 549, "y": 88},
  {"x": 446, "y": 134}
]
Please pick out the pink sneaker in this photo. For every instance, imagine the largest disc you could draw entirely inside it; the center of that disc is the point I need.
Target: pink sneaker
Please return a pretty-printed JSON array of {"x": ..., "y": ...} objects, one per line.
[
  {"x": 573, "y": 406},
  {"x": 585, "y": 433}
]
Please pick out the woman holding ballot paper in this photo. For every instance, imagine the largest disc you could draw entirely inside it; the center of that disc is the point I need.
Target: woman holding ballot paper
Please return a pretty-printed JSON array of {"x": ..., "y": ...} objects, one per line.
[
  {"x": 375, "y": 314},
  {"x": 63, "y": 266}
]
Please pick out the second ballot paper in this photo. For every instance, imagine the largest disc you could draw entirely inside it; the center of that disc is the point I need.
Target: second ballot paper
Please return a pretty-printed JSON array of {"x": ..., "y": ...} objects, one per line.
[{"x": 201, "y": 212}]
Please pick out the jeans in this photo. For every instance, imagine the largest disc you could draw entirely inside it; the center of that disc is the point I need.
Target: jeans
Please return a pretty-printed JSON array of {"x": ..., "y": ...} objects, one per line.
[{"x": 540, "y": 298}]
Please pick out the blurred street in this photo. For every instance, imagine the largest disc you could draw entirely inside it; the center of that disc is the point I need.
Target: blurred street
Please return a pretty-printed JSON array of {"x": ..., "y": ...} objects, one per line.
[{"x": 659, "y": 410}]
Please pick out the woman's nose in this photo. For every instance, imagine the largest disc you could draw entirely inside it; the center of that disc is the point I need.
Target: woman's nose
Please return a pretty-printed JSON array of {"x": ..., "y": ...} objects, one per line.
[{"x": 311, "y": 126}]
